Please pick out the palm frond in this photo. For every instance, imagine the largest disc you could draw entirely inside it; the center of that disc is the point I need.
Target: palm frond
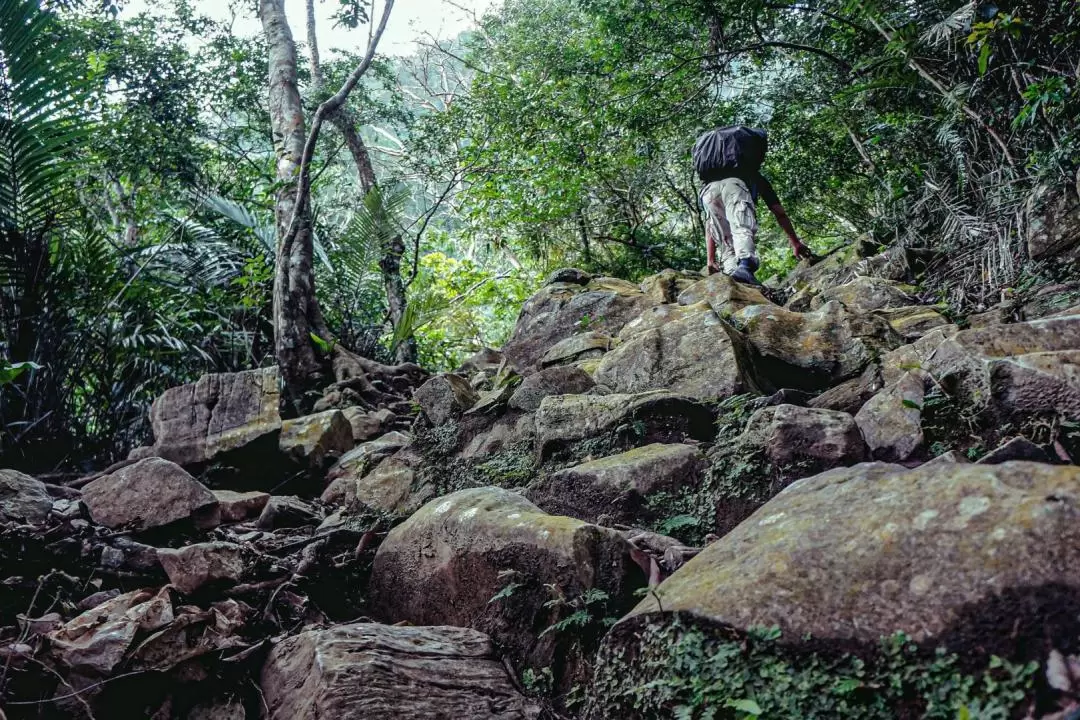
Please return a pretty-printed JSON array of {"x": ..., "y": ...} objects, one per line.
[
  {"x": 940, "y": 33},
  {"x": 41, "y": 95}
]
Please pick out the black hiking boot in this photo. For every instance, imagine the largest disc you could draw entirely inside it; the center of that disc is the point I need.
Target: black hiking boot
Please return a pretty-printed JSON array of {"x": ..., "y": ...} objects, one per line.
[{"x": 745, "y": 272}]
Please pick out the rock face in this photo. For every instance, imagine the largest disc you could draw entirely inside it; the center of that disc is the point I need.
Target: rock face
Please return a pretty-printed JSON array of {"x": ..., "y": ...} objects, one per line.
[
  {"x": 445, "y": 397},
  {"x": 366, "y": 671},
  {"x": 22, "y": 498},
  {"x": 957, "y": 554},
  {"x": 560, "y": 380},
  {"x": 562, "y": 309},
  {"x": 692, "y": 355},
  {"x": 445, "y": 564},
  {"x": 1014, "y": 373},
  {"x": 563, "y": 420},
  {"x": 618, "y": 488},
  {"x": 391, "y": 487},
  {"x": 313, "y": 441},
  {"x": 193, "y": 566},
  {"x": 237, "y": 507},
  {"x": 891, "y": 421},
  {"x": 866, "y": 294},
  {"x": 780, "y": 444},
  {"x": 1054, "y": 227},
  {"x": 807, "y": 351},
  {"x": 361, "y": 459},
  {"x": 220, "y": 413},
  {"x": 150, "y": 494}
]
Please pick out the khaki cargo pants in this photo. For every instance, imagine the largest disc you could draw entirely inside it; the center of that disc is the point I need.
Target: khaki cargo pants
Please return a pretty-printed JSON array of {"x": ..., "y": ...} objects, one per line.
[{"x": 730, "y": 221}]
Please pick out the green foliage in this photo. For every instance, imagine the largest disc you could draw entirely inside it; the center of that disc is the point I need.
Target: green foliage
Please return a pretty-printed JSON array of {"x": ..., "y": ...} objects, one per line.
[
  {"x": 585, "y": 609},
  {"x": 688, "y": 672},
  {"x": 462, "y": 306}
]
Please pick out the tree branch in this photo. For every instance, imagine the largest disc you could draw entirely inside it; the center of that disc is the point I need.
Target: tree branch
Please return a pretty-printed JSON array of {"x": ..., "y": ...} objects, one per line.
[{"x": 326, "y": 109}]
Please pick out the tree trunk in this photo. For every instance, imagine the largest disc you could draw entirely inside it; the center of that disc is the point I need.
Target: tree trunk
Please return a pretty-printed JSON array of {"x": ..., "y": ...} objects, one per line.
[
  {"x": 296, "y": 311},
  {"x": 392, "y": 251}
]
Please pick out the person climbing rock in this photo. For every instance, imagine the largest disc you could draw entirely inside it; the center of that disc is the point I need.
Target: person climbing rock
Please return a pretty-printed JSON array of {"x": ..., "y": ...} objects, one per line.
[{"x": 728, "y": 161}]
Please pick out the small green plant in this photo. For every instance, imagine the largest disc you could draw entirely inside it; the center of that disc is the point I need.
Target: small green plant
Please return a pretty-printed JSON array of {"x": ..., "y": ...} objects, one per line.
[
  {"x": 511, "y": 585},
  {"x": 539, "y": 682},
  {"x": 588, "y": 607},
  {"x": 9, "y": 372}
]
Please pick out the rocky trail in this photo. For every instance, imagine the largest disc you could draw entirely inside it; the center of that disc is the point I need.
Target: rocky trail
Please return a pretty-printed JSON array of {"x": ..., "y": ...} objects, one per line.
[{"x": 672, "y": 499}]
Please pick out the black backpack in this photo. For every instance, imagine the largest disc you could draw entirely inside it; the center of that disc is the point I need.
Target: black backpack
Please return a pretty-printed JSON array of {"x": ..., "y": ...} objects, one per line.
[{"x": 729, "y": 151}]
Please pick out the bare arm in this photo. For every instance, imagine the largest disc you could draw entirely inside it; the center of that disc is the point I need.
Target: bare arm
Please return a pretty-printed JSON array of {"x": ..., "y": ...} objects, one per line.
[{"x": 768, "y": 194}]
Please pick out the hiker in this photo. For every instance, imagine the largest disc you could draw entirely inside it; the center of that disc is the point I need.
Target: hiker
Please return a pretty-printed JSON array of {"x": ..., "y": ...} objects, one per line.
[{"x": 728, "y": 161}]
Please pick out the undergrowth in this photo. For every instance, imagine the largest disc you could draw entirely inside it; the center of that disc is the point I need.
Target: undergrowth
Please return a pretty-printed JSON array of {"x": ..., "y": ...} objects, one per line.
[{"x": 679, "y": 671}]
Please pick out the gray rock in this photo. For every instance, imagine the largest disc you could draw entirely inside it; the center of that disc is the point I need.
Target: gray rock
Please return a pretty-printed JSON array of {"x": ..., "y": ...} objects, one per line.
[
  {"x": 621, "y": 486},
  {"x": 560, "y": 380},
  {"x": 240, "y": 506},
  {"x": 313, "y": 441},
  {"x": 149, "y": 494},
  {"x": 285, "y": 511},
  {"x": 361, "y": 459},
  {"x": 984, "y": 556},
  {"x": 221, "y": 413},
  {"x": 445, "y": 563},
  {"x": 445, "y": 397},
  {"x": 691, "y": 355},
  {"x": 807, "y": 351},
  {"x": 1053, "y": 223},
  {"x": 1018, "y": 448},
  {"x": 562, "y": 309},
  {"x": 365, "y": 671},
  {"x": 23, "y": 499},
  {"x": 194, "y": 566},
  {"x": 891, "y": 421},
  {"x": 583, "y": 346},
  {"x": 563, "y": 420}
]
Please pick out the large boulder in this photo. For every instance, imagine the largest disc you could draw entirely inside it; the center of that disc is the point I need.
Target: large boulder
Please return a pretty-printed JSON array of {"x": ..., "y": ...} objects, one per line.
[
  {"x": 807, "y": 351},
  {"x": 939, "y": 552},
  {"x": 218, "y": 415},
  {"x": 446, "y": 564},
  {"x": 691, "y": 355},
  {"x": 1054, "y": 223},
  {"x": 313, "y": 441},
  {"x": 365, "y": 671},
  {"x": 866, "y": 294},
  {"x": 1023, "y": 373},
  {"x": 23, "y": 498},
  {"x": 891, "y": 421},
  {"x": 618, "y": 421},
  {"x": 558, "y": 380},
  {"x": 626, "y": 488},
  {"x": 805, "y": 598},
  {"x": 445, "y": 397},
  {"x": 565, "y": 308},
  {"x": 149, "y": 494}
]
